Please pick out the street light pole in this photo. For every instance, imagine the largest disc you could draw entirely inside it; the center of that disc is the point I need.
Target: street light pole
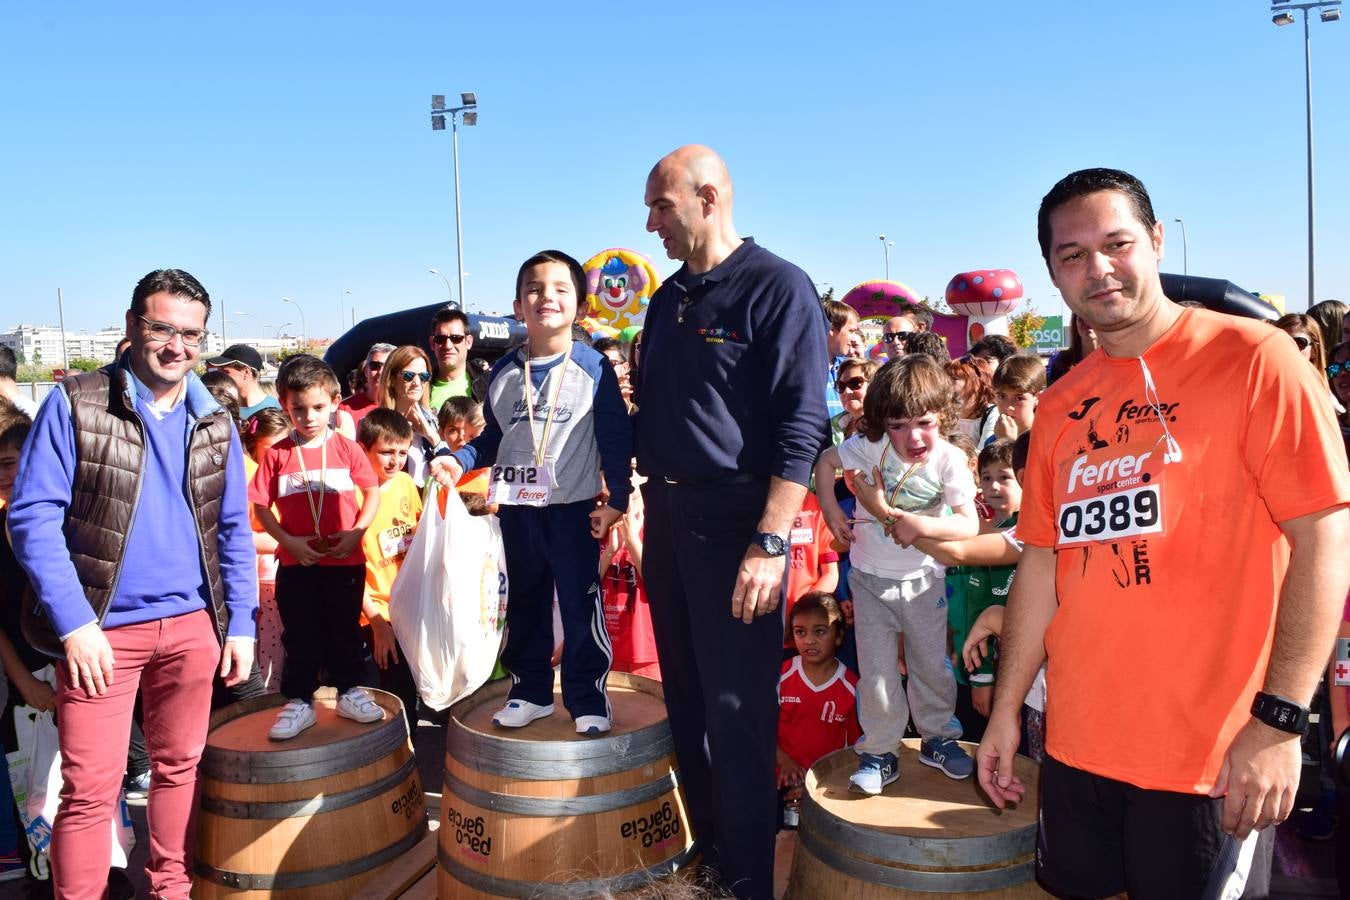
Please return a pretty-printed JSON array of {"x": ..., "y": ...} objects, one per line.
[
  {"x": 1330, "y": 11},
  {"x": 886, "y": 249},
  {"x": 449, "y": 294},
  {"x": 1185, "y": 253},
  {"x": 304, "y": 332},
  {"x": 341, "y": 312},
  {"x": 469, "y": 108}
]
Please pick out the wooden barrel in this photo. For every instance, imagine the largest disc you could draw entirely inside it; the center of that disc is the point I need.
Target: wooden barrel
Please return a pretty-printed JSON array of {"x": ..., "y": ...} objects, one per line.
[
  {"x": 541, "y": 811},
  {"x": 313, "y": 817},
  {"x": 924, "y": 834}
]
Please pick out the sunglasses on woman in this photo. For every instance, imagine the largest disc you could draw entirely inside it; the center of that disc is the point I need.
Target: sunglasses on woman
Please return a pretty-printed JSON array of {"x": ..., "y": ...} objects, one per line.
[
  {"x": 409, "y": 375},
  {"x": 1337, "y": 368},
  {"x": 1302, "y": 341},
  {"x": 853, "y": 384}
]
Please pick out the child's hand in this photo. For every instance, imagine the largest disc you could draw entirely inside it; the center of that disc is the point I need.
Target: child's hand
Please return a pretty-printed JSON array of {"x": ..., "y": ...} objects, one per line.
[
  {"x": 447, "y": 471},
  {"x": 382, "y": 634},
  {"x": 871, "y": 493},
  {"x": 301, "y": 549},
  {"x": 846, "y": 610},
  {"x": 1005, "y": 427},
  {"x": 989, "y": 624},
  {"x": 837, "y": 522},
  {"x": 344, "y": 543},
  {"x": 982, "y": 698},
  {"x": 903, "y": 527},
  {"x": 789, "y": 773},
  {"x": 35, "y": 692},
  {"x": 602, "y": 520}
]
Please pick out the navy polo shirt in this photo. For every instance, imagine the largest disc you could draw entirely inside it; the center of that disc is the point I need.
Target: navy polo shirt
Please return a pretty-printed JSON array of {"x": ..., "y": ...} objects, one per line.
[{"x": 729, "y": 377}]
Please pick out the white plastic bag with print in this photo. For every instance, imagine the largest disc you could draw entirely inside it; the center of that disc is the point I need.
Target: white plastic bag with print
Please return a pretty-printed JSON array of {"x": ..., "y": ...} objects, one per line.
[
  {"x": 447, "y": 604},
  {"x": 35, "y": 777}
]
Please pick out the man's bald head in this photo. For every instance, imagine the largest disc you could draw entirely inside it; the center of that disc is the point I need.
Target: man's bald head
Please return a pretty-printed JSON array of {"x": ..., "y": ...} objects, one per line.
[{"x": 688, "y": 198}]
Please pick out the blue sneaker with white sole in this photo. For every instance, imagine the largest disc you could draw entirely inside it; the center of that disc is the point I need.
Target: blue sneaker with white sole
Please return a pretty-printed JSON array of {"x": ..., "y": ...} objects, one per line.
[
  {"x": 946, "y": 754},
  {"x": 874, "y": 773}
]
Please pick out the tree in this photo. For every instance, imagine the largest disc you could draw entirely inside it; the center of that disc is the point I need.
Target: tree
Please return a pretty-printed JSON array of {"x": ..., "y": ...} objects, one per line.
[
  {"x": 828, "y": 295},
  {"x": 1022, "y": 327},
  {"x": 85, "y": 364}
]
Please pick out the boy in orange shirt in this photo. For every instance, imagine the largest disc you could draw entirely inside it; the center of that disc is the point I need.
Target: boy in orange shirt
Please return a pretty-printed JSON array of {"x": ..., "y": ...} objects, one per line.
[{"x": 386, "y": 437}]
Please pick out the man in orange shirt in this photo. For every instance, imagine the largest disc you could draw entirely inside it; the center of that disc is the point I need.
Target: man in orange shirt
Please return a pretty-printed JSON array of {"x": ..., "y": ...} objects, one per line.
[{"x": 1184, "y": 521}]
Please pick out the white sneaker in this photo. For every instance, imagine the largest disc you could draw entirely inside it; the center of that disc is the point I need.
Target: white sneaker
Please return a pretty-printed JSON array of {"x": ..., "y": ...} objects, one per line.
[
  {"x": 359, "y": 706},
  {"x": 519, "y": 713},
  {"x": 592, "y": 724},
  {"x": 295, "y": 717}
]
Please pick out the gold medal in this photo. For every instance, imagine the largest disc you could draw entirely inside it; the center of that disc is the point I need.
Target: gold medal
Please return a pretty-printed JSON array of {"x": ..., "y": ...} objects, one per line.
[{"x": 322, "y": 544}]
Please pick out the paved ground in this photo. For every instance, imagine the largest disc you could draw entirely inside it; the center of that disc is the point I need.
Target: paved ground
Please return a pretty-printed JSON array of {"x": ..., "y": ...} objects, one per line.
[{"x": 1303, "y": 869}]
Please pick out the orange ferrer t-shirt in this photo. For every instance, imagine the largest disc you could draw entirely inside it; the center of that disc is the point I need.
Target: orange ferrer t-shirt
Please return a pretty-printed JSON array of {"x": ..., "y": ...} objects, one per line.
[
  {"x": 1164, "y": 630},
  {"x": 388, "y": 538},
  {"x": 809, "y": 549}
]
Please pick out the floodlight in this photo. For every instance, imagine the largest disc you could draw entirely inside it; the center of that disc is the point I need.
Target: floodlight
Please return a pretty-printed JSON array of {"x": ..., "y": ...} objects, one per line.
[
  {"x": 1331, "y": 15},
  {"x": 1283, "y": 18},
  {"x": 438, "y": 101},
  {"x": 437, "y": 123},
  {"x": 471, "y": 118},
  {"x": 468, "y": 98}
]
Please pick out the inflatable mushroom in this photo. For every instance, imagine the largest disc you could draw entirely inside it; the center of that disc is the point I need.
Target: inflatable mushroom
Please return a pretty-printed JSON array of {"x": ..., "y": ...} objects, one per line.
[{"x": 986, "y": 296}]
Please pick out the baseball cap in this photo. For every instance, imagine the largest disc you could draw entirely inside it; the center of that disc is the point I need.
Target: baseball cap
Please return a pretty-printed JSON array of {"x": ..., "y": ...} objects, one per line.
[{"x": 241, "y": 354}]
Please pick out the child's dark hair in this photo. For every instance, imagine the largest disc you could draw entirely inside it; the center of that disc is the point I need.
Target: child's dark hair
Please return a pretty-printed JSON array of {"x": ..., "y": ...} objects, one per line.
[
  {"x": 557, "y": 256},
  {"x": 906, "y": 388},
  {"x": 223, "y": 389},
  {"x": 1021, "y": 449},
  {"x": 822, "y": 602},
  {"x": 997, "y": 455},
  {"x": 268, "y": 422},
  {"x": 929, "y": 343},
  {"x": 466, "y": 408},
  {"x": 302, "y": 372},
  {"x": 14, "y": 426},
  {"x": 383, "y": 423},
  {"x": 1021, "y": 374},
  {"x": 963, "y": 442}
]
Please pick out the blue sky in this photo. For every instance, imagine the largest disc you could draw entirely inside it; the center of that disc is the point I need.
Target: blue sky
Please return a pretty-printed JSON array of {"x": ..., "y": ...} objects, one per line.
[{"x": 285, "y": 149}]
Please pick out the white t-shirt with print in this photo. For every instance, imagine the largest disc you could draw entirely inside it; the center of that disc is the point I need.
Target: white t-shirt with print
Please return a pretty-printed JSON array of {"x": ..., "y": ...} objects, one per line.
[{"x": 942, "y": 480}]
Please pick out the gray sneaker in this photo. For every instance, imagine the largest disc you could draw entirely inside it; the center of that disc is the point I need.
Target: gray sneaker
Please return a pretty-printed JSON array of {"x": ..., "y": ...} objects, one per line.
[
  {"x": 874, "y": 773},
  {"x": 946, "y": 754},
  {"x": 295, "y": 717},
  {"x": 356, "y": 704}
]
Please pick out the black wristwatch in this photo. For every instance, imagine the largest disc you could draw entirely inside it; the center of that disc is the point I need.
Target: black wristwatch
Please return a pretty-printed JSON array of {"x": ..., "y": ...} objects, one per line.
[
  {"x": 1280, "y": 713},
  {"x": 770, "y": 543}
]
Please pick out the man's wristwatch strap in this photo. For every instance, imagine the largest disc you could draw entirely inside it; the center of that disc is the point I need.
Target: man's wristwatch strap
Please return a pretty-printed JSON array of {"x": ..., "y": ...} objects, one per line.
[{"x": 1280, "y": 713}]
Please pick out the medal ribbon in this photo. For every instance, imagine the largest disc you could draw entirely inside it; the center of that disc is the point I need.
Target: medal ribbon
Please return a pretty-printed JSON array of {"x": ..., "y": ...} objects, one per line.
[
  {"x": 913, "y": 467},
  {"x": 316, "y": 512},
  {"x": 541, "y": 446}
]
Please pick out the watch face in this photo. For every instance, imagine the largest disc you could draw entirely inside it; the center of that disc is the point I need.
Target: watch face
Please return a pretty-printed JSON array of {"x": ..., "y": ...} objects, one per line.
[{"x": 773, "y": 544}]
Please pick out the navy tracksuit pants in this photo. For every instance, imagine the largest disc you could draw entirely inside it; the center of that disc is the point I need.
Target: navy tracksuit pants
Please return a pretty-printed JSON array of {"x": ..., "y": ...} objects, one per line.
[
  {"x": 720, "y": 675},
  {"x": 548, "y": 547}
]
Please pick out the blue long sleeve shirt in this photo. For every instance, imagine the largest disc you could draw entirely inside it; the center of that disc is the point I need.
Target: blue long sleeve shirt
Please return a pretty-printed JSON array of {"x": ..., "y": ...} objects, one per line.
[
  {"x": 728, "y": 381},
  {"x": 161, "y": 574}
]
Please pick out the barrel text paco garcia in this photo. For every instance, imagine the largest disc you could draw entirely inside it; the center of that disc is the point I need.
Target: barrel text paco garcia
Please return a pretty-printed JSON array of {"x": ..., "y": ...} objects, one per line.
[
  {"x": 652, "y": 830},
  {"x": 469, "y": 832}
]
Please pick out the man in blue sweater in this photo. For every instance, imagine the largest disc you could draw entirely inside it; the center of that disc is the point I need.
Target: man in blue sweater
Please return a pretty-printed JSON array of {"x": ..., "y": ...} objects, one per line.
[
  {"x": 130, "y": 517},
  {"x": 730, "y": 419}
]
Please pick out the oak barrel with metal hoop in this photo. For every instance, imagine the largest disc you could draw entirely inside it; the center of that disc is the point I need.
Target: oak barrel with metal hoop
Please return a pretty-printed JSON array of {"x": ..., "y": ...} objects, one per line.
[
  {"x": 924, "y": 834},
  {"x": 541, "y": 811},
  {"x": 317, "y": 816}
]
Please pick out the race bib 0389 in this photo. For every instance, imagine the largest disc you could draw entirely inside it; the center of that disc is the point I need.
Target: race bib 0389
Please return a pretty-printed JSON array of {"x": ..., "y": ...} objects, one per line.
[{"x": 1111, "y": 493}]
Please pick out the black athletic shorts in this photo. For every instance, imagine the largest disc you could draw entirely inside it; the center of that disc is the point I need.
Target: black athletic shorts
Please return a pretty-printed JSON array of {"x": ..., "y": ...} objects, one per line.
[{"x": 1100, "y": 837}]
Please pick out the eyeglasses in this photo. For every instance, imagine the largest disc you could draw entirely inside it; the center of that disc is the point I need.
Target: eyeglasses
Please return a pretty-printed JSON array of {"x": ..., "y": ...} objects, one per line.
[
  {"x": 409, "y": 375},
  {"x": 1302, "y": 341},
  {"x": 892, "y": 337},
  {"x": 1340, "y": 368},
  {"x": 455, "y": 339},
  {"x": 163, "y": 332},
  {"x": 853, "y": 384},
  {"x": 375, "y": 366}
]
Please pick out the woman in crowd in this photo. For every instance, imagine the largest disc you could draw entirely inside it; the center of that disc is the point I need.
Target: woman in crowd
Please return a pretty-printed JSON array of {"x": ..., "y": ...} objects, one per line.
[{"x": 404, "y": 388}]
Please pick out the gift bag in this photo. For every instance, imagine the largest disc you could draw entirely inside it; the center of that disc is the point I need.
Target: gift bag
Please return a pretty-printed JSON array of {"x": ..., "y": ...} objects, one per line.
[
  {"x": 35, "y": 776},
  {"x": 446, "y": 605}
]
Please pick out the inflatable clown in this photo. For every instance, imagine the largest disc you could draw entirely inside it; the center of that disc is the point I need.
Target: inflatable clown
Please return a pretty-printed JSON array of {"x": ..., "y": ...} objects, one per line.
[{"x": 619, "y": 284}]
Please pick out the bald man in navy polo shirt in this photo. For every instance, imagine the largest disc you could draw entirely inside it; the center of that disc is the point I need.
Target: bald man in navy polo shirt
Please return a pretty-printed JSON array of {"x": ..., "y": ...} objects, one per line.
[{"x": 730, "y": 419}]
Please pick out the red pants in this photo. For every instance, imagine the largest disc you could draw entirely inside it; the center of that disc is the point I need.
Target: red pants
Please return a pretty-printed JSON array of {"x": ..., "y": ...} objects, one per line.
[{"x": 172, "y": 661}]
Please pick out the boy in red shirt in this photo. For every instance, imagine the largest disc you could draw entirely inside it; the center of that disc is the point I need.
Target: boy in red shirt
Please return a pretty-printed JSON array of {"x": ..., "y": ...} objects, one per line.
[
  {"x": 311, "y": 477},
  {"x": 817, "y": 694}
]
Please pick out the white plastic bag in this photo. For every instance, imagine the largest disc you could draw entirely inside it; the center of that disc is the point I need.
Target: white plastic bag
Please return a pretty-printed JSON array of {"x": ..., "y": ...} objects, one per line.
[
  {"x": 447, "y": 605},
  {"x": 35, "y": 776}
]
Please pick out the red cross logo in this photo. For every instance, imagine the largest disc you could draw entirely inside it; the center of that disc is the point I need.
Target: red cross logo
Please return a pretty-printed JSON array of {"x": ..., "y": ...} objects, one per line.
[{"x": 1342, "y": 671}]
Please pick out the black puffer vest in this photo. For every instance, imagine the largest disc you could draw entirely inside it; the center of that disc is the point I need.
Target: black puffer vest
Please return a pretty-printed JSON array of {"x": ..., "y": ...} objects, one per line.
[{"x": 110, "y": 451}]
